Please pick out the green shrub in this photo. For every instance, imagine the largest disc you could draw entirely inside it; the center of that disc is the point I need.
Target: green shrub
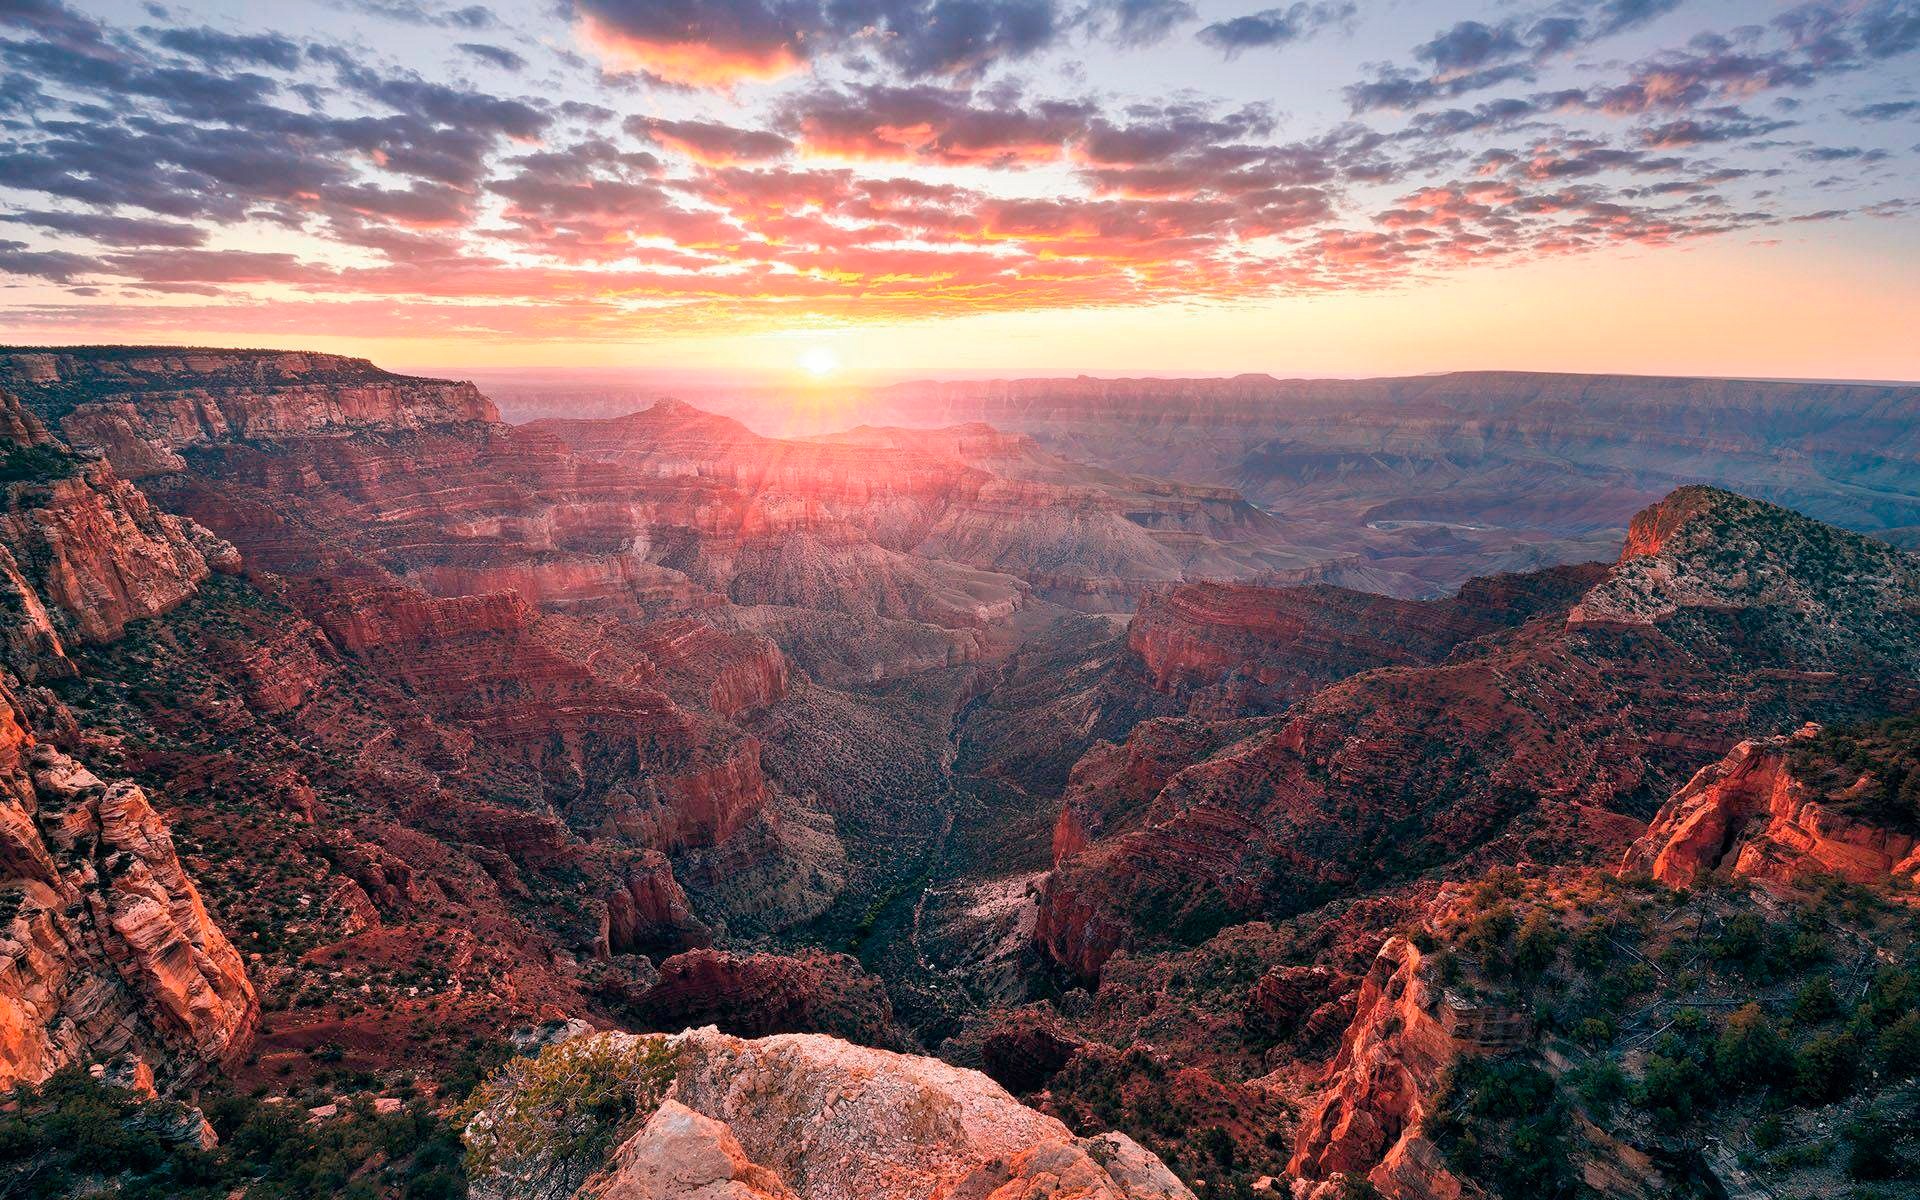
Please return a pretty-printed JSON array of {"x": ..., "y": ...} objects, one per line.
[
  {"x": 1824, "y": 1068},
  {"x": 1816, "y": 1001},
  {"x": 1750, "y": 1051},
  {"x": 35, "y": 464},
  {"x": 1899, "y": 1047},
  {"x": 561, "y": 1111},
  {"x": 1503, "y": 1123},
  {"x": 1537, "y": 941}
]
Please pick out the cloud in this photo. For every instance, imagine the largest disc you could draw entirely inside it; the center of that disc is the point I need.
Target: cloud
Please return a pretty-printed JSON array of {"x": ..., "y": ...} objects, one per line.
[
  {"x": 60, "y": 266},
  {"x": 1472, "y": 55},
  {"x": 1470, "y": 45},
  {"x": 718, "y": 43},
  {"x": 425, "y": 12},
  {"x": 1275, "y": 26},
  {"x": 914, "y": 176},
  {"x": 1134, "y": 23},
  {"x": 498, "y": 56},
  {"x": 112, "y": 230},
  {"x": 1889, "y": 110},
  {"x": 709, "y": 141},
  {"x": 1725, "y": 126},
  {"x": 217, "y": 49},
  {"x": 932, "y": 123}
]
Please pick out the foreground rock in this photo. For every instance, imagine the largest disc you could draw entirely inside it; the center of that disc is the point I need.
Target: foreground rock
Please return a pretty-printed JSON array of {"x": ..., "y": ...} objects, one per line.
[{"x": 810, "y": 1117}]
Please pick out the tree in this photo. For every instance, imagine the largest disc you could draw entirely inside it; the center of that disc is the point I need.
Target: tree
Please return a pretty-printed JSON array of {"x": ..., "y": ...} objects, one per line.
[
  {"x": 1749, "y": 1050},
  {"x": 1823, "y": 1070},
  {"x": 1536, "y": 943}
]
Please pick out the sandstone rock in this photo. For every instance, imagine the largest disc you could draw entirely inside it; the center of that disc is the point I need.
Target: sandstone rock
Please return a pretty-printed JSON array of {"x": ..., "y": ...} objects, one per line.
[
  {"x": 145, "y": 404},
  {"x": 809, "y": 1117},
  {"x": 1749, "y": 815},
  {"x": 98, "y": 554},
  {"x": 755, "y": 994},
  {"x": 681, "y": 1155},
  {"x": 1287, "y": 997},
  {"x": 1406, "y": 1030},
  {"x": 1555, "y": 734},
  {"x": 108, "y": 949},
  {"x": 1239, "y": 649},
  {"x": 650, "y": 912}
]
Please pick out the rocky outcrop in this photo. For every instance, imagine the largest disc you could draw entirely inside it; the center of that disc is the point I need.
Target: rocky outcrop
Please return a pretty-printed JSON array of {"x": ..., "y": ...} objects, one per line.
[
  {"x": 1703, "y": 548},
  {"x": 681, "y": 1155},
  {"x": 1557, "y": 735},
  {"x": 619, "y": 757},
  {"x": 808, "y": 1117},
  {"x": 107, "y": 948},
  {"x": 1749, "y": 815},
  {"x": 143, "y": 406},
  {"x": 1241, "y": 649},
  {"x": 650, "y": 911},
  {"x": 1293, "y": 999},
  {"x": 98, "y": 555},
  {"x": 1407, "y": 1028}
]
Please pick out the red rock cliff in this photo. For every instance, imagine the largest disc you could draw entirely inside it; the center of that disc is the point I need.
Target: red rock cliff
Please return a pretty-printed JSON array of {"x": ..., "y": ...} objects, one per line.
[
  {"x": 141, "y": 406},
  {"x": 1749, "y": 814},
  {"x": 1406, "y": 1030},
  {"x": 105, "y": 945}
]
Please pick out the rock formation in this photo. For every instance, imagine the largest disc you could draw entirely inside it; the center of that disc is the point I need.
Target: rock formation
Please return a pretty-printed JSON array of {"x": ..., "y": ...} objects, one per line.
[
  {"x": 1443, "y": 477},
  {"x": 1743, "y": 616},
  {"x": 1239, "y": 649},
  {"x": 108, "y": 947},
  {"x": 751, "y": 995},
  {"x": 90, "y": 547},
  {"x": 1406, "y": 1030},
  {"x": 808, "y": 1117},
  {"x": 1751, "y": 816}
]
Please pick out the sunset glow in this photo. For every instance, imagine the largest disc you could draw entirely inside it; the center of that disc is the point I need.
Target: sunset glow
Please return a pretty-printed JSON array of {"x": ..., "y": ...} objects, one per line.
[
  {"x": 819, "y": 362},
  {"x": 1163, "y": 186}
]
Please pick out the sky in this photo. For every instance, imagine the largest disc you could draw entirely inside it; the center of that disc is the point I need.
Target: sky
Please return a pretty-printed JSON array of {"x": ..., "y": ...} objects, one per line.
[{"x": 1325, "y": 187}]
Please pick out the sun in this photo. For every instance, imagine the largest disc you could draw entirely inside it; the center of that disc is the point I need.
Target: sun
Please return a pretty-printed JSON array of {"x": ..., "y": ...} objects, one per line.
[{"x": 819, "y": 361}]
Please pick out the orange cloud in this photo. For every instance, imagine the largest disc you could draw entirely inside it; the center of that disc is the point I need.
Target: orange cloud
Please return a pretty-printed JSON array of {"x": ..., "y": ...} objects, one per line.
[{"x": 694, "y": 63}]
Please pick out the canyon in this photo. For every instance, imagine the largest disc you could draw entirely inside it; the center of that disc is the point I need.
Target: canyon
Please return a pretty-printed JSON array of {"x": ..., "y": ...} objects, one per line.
[
  {"x": 1419, "y": 483},
  {"x": 1078, "y": 788}
]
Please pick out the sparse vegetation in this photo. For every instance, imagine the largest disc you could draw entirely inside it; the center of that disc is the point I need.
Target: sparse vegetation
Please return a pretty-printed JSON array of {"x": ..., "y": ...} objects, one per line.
[
  {"x": 1687, "y": 1014},
  {"x": 74, "y": 1135},
  {"x": 552, "y": 1118},
  {"x": 36, "y": 464}
]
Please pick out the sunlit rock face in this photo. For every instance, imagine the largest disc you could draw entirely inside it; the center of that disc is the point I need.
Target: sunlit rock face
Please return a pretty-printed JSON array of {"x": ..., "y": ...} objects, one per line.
[
  {"x": 1752, "y": 816},
  {"x": 86, "y": 552},
  {"x": 809, "y": 1117},
  {"x": 143, "y": 406},
  {"x": 1737, "y": 616},
  {"x": 1406, "y": 1031},
  {"x": 108, "y": 949}
]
